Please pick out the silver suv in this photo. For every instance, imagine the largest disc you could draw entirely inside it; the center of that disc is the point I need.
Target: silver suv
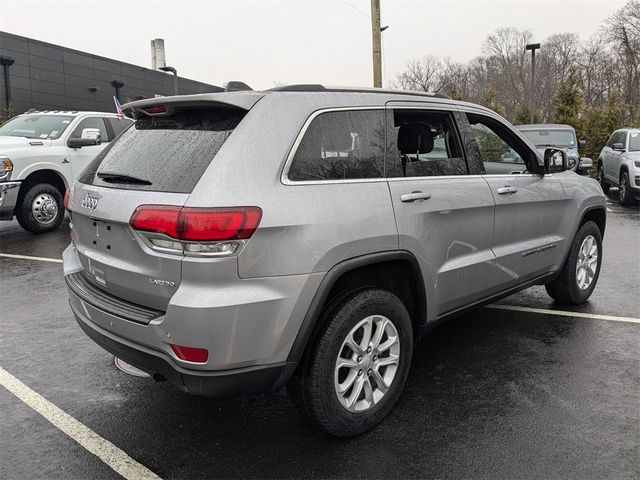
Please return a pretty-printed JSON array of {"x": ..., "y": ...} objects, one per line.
[
  {"x": 240, "y": 242},
  {"x": 619, "y": 165}
]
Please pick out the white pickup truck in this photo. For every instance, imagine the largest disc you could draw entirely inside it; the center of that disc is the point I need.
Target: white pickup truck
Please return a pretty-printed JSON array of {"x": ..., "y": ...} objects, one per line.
[{"x": 41, "y": 154}]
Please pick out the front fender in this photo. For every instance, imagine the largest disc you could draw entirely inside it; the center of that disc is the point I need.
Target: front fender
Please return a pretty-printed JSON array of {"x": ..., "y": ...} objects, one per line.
[{"x": 44, "y": 165}]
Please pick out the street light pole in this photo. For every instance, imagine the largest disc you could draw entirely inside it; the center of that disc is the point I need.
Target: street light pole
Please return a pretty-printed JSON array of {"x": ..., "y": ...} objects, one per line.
[
  {"x": 533, "y": 47},
  {"x": 376, "y": 43},
  {"x": 176, "y": 90}
]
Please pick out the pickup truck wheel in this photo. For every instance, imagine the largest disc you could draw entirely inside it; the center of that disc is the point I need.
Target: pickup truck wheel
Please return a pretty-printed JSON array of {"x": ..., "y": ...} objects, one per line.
[
  {"x": 625, "y": 195},
  {"x": 603, "y": 183},
  {"x": 356, "y": 368},
  {"x": 580, "y": 273},
  {"x": 40, "y": 209}
]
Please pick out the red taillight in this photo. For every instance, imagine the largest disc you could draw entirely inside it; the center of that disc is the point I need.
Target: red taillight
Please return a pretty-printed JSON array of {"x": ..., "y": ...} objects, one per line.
[
  {"x": 156, "y": 218},
  {"x": 190, "y": 354},
  {"x": 67, "y": 196},
  {"x": 156, "y": 109},
  {"x": 198, "y": 224}
]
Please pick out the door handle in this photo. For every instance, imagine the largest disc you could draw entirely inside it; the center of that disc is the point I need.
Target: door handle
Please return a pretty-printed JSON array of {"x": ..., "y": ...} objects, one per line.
[
  {"x": 507, "y": 189},
  {"x": 413, "y": 196}
]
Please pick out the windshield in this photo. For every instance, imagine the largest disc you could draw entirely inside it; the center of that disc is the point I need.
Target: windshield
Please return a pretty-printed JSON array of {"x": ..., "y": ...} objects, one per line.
[
  {"x": 551, "y": 138},
  {"x": 634, "y": 142},
  {"x": 36, "y": 126}
]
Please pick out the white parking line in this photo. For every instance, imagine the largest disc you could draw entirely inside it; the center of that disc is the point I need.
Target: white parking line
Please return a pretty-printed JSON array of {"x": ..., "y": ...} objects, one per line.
[
  {"x": 564, "y": 313},
  {"x": 106, "y": 451},
  {"x": 27, "y": 257}
]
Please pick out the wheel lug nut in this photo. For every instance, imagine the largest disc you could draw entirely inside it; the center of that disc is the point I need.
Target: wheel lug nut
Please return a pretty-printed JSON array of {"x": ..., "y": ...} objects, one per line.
[
  {"x": 359, "y": 358},
  {"x": 359, "y": 372},
  {"x": 369, "y": 372},
  {"x": 369, "y": 350},
  {"x": 375, "y": 358}
]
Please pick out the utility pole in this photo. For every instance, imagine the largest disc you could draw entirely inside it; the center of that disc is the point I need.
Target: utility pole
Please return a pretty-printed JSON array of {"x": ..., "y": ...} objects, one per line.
[
  {"x": 376, "y": 43},
  {"x": 533, "y": 47}
]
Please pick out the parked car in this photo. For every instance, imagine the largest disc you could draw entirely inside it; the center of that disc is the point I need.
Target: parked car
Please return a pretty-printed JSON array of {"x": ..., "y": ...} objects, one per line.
[
  {"x": 41, "y": 153},
  {"x": 560, "y": 136},
  {"x": 619, "y": 165},
  {"x": 239, "y": 242}
]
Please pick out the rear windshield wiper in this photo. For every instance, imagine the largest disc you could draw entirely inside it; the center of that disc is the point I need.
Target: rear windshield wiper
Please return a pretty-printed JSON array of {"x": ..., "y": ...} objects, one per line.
[{"x": 121, "y": 178}]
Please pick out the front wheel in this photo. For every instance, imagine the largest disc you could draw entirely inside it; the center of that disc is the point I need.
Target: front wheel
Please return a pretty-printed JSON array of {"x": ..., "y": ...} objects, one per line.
[
  {"x": 603, "y": 183},
  {"x": 40, "y": 209},
  {"x": 356, "y": 368},
  {"x": 580, "y": 273},
  {"x": 625, "y": 195}
]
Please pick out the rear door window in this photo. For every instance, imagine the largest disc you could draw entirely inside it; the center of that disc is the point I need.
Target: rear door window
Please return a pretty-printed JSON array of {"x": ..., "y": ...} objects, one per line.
[
  {"x": 341, "y": 145},
  {"x": 163, "y": 153},
  {"x": 428, "y": 145},
  {"x": 118, "y": 125}
]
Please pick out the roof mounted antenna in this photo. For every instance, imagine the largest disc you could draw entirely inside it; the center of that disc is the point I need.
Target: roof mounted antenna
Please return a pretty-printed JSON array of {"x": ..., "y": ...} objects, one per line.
[{"x": 235, "y": 86}]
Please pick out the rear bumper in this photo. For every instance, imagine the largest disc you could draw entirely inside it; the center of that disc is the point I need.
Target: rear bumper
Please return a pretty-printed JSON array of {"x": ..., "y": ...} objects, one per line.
[
  {"x": 8, "y": 199},
  {"x": 248, "y": 380}
]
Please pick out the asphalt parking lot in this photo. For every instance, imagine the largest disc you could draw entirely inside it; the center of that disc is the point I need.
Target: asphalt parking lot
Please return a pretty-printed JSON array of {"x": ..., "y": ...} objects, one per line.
[{"x": 528, "y": 389}]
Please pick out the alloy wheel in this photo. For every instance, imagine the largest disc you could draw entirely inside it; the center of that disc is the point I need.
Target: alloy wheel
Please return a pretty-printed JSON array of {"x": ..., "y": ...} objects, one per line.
[
  {"x": 367, "y": 363},
  {"x": 587, "y": 263}
]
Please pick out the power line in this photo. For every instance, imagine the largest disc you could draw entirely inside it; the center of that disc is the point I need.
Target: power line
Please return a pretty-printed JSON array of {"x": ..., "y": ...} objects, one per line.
[{"x": 357, "y": 9}]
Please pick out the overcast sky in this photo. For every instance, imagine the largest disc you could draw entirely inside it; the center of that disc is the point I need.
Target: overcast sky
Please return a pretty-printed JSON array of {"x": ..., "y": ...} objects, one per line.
[{"x": 264, "y": 42}]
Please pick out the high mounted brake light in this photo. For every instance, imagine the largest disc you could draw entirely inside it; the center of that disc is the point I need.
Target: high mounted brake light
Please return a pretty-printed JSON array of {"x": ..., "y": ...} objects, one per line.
[
  {"x": 155, "y": 109},
  {"x": 197, "y": 231}
]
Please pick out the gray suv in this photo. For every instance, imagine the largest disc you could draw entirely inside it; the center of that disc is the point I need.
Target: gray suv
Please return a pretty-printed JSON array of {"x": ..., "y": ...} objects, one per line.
[{"x": 239, "y": 242}]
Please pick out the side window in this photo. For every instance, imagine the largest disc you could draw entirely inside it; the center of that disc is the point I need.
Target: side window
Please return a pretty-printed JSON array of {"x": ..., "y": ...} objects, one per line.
[
  {"x": 91, "y": 122},
  {"x": 341, "y": 145},
  {"x": 427, "y": 144},
  {"x": 500, "y": 150},
  {"x": 617, "y": 137},
  {"x": 118, "y": 125}
]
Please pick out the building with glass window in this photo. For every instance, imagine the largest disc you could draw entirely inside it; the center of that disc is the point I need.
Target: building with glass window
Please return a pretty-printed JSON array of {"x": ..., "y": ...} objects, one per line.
[{"x": 44, "y": 76}]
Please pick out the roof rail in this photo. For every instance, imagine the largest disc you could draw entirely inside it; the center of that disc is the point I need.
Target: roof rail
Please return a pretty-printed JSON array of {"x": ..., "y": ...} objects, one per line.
[{"x": 316, "y": 87}]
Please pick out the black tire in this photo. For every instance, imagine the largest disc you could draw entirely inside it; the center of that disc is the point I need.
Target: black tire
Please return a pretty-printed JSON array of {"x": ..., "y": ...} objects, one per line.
[
  {"x": 312, "y": 386},
  {"x": 25, "y": 213},
  {"x": 564, "y": 288},
  {"x": 625, "y": 195},
  {"x": 603, "y": 183}
]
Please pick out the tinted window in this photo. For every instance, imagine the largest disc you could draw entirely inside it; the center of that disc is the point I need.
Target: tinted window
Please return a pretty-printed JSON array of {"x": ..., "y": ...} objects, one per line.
[
  {"x": 500, "y": 150},
  {"x": 118, "y": 124},
  {"x": 617, "y": 137},
  {"x": 36, "y": 126},
  {"x": 170, "y": 152},
  {"x": 427, "y": 144},
  {"x": 341, "y": 145},
  {"x": 91, "y": 122}
]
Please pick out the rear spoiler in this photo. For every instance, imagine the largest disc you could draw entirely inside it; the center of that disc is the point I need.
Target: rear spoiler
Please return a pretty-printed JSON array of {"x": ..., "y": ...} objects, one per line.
[{"x": 162, "y": 106}]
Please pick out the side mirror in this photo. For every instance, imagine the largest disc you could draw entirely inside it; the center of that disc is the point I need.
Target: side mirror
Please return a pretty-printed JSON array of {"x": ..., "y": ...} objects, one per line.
[
  {"x": 90, "y": 136},
  {"x": 618, "y": 147},
  {"x": 582, "y": 144},
  {"x": 555, "y": 160},
  {"x": 585, "y": 166}
]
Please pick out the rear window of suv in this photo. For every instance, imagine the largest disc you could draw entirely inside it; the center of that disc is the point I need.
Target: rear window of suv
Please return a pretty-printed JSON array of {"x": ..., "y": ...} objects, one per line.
[{"x": 163, "y": 153}]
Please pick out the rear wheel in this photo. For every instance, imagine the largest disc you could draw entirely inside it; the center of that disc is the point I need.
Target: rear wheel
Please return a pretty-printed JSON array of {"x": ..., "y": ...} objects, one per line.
[
  {"x": 580, "y": 273},
  {"x": 603, "y": 183},
  {"x": 40, "y": 209},
  {"x": 625, "y": 195},
  {"x": 356, "y": 368}
]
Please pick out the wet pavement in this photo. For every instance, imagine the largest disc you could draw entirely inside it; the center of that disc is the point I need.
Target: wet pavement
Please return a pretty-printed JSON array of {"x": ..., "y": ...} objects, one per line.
[{"x": 491, "y": 394}]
